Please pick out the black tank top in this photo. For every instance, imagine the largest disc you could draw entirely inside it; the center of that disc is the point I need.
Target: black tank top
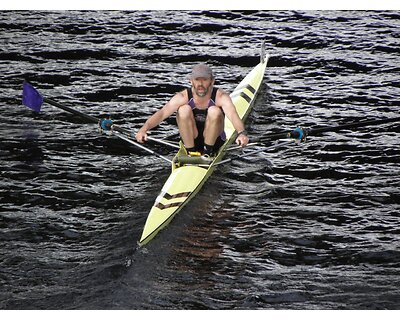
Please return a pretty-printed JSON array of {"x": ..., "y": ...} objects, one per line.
[{"x": 201, "y": 114}]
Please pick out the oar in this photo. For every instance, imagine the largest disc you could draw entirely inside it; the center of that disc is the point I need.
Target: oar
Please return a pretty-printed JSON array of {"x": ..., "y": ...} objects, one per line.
[
  {"x": 244, "y": 155},
  {"x": 164, "y": 142},
  {"x": 34, "y": 100},
  {"x": 302, "y": 133},
  {"x": 142, "y": 147}
]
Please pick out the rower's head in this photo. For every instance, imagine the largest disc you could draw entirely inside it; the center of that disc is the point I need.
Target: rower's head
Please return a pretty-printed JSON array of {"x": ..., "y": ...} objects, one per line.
[
  {"x": 202, "y": 79},
  {"x": 201, "y": 70}
]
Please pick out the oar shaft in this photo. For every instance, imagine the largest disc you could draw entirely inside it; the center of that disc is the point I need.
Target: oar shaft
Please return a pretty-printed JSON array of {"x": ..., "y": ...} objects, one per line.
[
  {"x": 95, "y": 120},
  {"x": 136, "y": 144},
  {"x": 116, "y": 128},
  {"x": 120, "y": 129},
  {"x": 163, "y": 142},
  {"x": 352, "y": 125},
  {"x": 241, "y": 156},
  {"x": 130, "y": 134},
  {"x": 68, "y": 109},
  {"x": 313, "y": 131}
]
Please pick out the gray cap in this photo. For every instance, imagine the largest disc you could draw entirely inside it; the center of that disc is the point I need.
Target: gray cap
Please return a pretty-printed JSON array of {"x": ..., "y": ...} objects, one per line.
[{"x": 201, "y": 71}]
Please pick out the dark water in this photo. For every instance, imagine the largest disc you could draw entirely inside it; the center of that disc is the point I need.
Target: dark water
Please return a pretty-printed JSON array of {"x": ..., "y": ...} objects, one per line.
[{"x": 317, "y": 229}]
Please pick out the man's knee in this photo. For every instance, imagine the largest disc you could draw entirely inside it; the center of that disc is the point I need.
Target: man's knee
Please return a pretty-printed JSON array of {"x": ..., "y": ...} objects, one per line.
[
  {"x": 215, "y": 113},
  {"x": 185, "y": 112}
]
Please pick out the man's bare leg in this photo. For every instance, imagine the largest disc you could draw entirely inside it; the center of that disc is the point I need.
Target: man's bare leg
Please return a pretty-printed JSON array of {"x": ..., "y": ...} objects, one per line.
[
  {"x": 214, "y": 125},
  {"x": 187, "y": 126}
]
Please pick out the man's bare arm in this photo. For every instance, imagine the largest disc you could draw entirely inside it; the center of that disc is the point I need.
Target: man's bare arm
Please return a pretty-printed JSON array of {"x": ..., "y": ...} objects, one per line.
[
  {"x": 230, "y": 111},
  {"x": 172, "y": 106}
]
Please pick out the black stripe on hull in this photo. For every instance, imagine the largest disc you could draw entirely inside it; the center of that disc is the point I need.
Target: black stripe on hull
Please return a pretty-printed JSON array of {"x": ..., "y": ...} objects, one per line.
[
  {"x": 248, "y": 87},
  {"x": 245, "y": 97},
  {"x": 166, "y": 206},
  {"x": 251, "y": 89},
  {"x": 240, "y": 92},
  {"x": 168, "y": 196}
]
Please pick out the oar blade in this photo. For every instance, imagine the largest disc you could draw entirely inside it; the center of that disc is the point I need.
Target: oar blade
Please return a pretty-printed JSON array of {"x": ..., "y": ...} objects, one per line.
[{"x": 31, "y": 97}]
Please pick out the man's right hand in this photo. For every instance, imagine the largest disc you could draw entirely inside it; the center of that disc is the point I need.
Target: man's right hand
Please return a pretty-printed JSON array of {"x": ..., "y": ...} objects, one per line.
[{"x": 141, "y": 136}]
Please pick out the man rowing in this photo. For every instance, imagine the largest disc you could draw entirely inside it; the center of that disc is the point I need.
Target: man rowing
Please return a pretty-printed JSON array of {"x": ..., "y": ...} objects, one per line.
[{"x": 200, "y": 111}]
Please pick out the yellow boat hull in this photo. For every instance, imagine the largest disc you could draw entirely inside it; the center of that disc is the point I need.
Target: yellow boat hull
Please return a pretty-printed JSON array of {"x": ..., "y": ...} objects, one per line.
[{"x": 186, "y": 180}]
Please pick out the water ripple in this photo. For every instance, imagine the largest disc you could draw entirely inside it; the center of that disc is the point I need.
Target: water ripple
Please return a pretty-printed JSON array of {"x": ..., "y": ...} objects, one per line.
[{"x": 306, "y": 226}]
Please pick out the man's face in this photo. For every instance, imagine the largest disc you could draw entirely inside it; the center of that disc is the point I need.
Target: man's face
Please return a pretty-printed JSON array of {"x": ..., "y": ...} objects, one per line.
[{"x": 202, "y": 86}]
